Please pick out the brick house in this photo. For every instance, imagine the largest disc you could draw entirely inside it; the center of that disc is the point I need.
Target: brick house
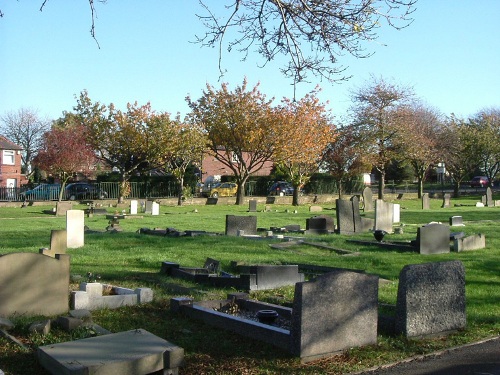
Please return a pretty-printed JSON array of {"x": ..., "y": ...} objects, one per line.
[
  {"x": 10, "y": 164},
  {"x": 211, "y": 167}
]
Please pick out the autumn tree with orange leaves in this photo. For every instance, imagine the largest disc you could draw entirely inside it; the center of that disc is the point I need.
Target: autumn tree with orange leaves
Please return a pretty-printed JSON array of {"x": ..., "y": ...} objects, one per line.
[
  {"x": 305, "y": 131},
  {"x": 241, "y": 129},
  {"x": 136, "y": 140},
  {"x": 65, "y": 151}
]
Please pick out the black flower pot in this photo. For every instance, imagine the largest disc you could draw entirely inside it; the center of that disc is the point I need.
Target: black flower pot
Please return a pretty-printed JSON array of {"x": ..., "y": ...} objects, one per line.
[
  {"x": 267, "y": 316},
  {"x": 379, "y": 234}
]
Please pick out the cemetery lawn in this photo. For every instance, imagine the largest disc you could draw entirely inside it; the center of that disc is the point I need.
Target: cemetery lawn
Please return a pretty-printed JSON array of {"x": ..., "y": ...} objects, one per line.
[{"x": 130, "y": 259}]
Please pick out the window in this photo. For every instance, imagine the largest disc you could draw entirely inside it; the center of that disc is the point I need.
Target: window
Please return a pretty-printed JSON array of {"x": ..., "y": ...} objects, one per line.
[{"x": 8, "y": 157}]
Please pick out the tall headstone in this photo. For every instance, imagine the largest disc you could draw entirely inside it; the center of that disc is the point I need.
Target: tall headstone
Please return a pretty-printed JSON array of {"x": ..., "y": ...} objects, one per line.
[
  {"x": 368, "y": 199},
  {"x": 384, "y": 214},
  {"x": 155, "y": 208},
  {"x": 252, "y": 205},
  {"x": 133, "y": 207},
  {"x": 433, "y": 239},
  {"x": 333, "y": 312},
  {"x": 446, "y": 200},
  {"x": 345, "y": 216},
  {"x": 425, "y": 201},
  {"x": 489, "y": 198},
  {"x": 431, "y": 299},
  {"x": 356, "y": 217},
  {"x": 396, "y": 217},
  {"x": 75, "y": 228},
  {"x": 148, "y": 207}
]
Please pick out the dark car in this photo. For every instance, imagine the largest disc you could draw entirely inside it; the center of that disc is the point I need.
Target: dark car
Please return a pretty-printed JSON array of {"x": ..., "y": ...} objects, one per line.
[
  {"x": 479, "y": 181},
  {"x": 84, "y": 190},
  {"x": 281, "y": 188}
]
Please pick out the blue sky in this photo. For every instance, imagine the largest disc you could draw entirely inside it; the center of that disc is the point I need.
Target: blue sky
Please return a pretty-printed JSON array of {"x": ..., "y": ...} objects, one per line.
[{"x": 450, "y": 55}]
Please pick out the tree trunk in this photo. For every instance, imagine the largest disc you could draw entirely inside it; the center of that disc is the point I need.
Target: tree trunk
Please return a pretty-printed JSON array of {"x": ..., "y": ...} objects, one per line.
[
  {"x": 381, "y": 184},
  {"x": 240, "y": 194},
  {"x": 456, "y": 189},
  {"x": 295, "y": 196},
  {"x": 179, "y": 193},
  {"x": 420, "y": 182},
  {"x": 339, "y": 188}
]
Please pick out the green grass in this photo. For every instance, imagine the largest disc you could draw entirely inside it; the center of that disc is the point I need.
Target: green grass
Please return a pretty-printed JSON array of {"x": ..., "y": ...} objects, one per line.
[{"x": 131, "y": 260}]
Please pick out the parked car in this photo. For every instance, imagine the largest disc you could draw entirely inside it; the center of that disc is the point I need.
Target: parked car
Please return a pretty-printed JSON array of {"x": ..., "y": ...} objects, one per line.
[
  {"x": 281, "y": 188},
  {"x": 42, "y": 192},
  {"x": 225, "y": 189},
  {"x": 84, "y": 190},
  {"x": 479, "y": 181}
]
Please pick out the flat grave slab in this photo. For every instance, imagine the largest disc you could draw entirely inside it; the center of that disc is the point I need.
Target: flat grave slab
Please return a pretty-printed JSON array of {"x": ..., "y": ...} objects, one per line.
[{"x": 132, "y": 352}]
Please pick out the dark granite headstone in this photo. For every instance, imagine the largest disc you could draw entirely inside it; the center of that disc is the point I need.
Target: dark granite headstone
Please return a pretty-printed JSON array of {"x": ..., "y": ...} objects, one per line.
[
  {"x": 425, "y": 201},
  {"x": 433, "y": 239},
  {"x": 368, "y": 199},
  {"x": 234, "y": 224},
  {"x": 333, "y": 312},
  {"x": 211, "y": 201},
  {"x": 431, "y": 299},
  {"x": 322, "y": 224}
]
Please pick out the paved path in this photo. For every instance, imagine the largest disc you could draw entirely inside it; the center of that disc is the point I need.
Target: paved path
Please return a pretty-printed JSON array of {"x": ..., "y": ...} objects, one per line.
[{"x": 481, "y": 358}]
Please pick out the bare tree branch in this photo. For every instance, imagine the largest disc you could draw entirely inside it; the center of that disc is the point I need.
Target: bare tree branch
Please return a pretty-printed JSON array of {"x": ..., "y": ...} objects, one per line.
[{"x": 312, "y": 34}]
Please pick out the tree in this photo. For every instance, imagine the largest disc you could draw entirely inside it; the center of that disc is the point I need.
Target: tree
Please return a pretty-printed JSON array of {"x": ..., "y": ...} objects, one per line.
[
  {"x": 240, "y": 129},
  {"x": 419, "y": 142},
  {"x": 313, "y": 35},
  {"x": 457, "y": 150},
  {"x": 190, "y": 143},
  {"x": 305, "y": 130},
  {"x": 65, "y": 152},
  {"x": 136, "y": 140},
  {"x": 486, "y": 127},
  {"x": 376, "y": 110},
  {"x": 344, "y": 157},
  {"x": 26, "y": 129}
]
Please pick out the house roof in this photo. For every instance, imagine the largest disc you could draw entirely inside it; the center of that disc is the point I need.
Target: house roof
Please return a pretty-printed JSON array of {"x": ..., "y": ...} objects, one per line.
[{"x": 5, "y": 144}]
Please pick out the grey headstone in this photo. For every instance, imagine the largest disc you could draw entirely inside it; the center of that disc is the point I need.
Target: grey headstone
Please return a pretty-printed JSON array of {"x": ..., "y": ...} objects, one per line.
[
  {"x": 426, "y": 205},
  {"x": 431, "y": 299},
  {"x": 356, "y": 217},
  {"x": 446, "y": 200},
  {"x": 126, "y": 353},
  {"x": 148, "y": 208},
  {"x": 433, "y": 239},
  {"x": 234, "y": 223},
  {"x": 345, "y": 216},
  {"x": 384, "y": 215},
  {"x": 474, "y": 242},
  {"x": 63, "y": 207},
  {"x": 368, "y": 199},
  {"x": 270, "y": 277},
  {"x": 321, "y": 224},
  {"x": 212, "y": 201},
  {"x": 334, "y": 312},
  {"x": 252, "y": 205},
  {"x": 456, "y": 221},
  {"x": 58, "y": 241},
  {"x": 489, "y": 198}
]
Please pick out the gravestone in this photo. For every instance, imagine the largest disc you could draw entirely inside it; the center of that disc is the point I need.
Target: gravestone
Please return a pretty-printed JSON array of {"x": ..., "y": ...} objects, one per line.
[
  {"x": 33, "y": 284},
  {"x": 456, "y": 221},
  {"x": 368, "y": 199},
  {"x": 474, "y": 242},
  {"x": 396, "y": 216},
  {"x": 426, "y": 205},
  {"x": 333, "y": 312},
  {"x": 126, "y": 353},
  {"x": 446, "y": 200},
  {"x": 345, "y": 216},
  {"x": 431, "y": 299},
  {"x": 75, "y": 228},
  {"x": 148, "y": 207},
  {"x": 155, "y": 209},
  {"x": 133, "y": 207},
  {"x": 321, "y": 224},
  {"x": 356, "y": 217},
  {"x": 58, "y": 243},
  {"x": 211, "y": 201},
  {"x": 63, "y": 207},
  {"x": 234, "y": 224},
  {"x": 384, "y": 215},
  {"x": 252, "y": 205},
  {"x": 315, "y": 209},
  {"x": 433, "y": 239},
  {"x": 489, "y": 198}
]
